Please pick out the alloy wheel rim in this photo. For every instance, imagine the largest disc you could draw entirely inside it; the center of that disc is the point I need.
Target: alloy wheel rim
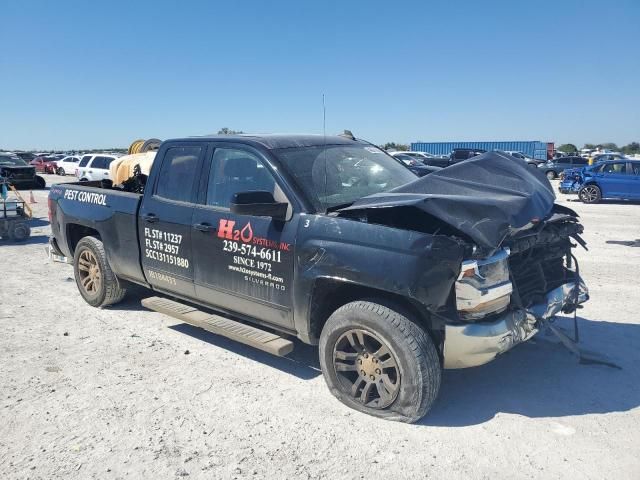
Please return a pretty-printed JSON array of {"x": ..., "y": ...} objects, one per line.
[
  {"x": 89, "y": 271},
  {"x": 366, "y": 368},
  {"x": 590, "y": 194}
]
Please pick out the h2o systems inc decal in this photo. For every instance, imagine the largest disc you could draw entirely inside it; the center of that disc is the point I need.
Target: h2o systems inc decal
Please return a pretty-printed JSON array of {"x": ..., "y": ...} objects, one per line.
[{"x": 259, "y": 259}]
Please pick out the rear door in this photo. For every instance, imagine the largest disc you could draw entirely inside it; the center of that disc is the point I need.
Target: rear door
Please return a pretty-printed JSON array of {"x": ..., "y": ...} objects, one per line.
[
  {"x": 243, "y": 264},
  {"x": 164, "y": 226}
]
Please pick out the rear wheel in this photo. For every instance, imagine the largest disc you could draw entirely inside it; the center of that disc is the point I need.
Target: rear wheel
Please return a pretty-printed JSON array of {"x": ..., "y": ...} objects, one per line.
[
  {"x": 590, "y": 194},
  {"x": 39, "y": 182},
  {"x": 378, "y": 361},
  {"x": 96, "y": 282},
  {"x": 60, "y": 171},
  {"x": 551, "y": 175}
]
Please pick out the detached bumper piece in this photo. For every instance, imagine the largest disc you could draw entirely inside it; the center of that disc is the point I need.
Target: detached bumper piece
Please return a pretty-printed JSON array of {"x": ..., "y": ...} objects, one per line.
[{"x": 473, "y": 344}]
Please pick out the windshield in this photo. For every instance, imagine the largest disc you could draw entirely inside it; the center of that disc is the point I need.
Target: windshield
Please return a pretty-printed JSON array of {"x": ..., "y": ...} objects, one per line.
[
  {"x": 7, "y": 160},
  {"x": 334, "y": 175}
]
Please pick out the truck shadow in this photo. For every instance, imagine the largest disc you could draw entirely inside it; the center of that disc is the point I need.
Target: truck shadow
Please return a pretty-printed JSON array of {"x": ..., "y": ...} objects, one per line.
[
  {"x": 542, "y": 379},
  {"x": 302, "y": 362}
]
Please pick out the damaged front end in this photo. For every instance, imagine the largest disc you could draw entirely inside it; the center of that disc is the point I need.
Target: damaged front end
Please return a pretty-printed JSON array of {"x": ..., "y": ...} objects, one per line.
[
  {"x": 521, "y": 271},
  {"x": 532, "y": 278},
  {"x": 507, "y": 306}
]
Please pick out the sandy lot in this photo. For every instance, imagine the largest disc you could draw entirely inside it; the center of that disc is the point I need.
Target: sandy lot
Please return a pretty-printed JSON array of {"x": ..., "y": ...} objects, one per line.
[{"x": 128, "y": 393}]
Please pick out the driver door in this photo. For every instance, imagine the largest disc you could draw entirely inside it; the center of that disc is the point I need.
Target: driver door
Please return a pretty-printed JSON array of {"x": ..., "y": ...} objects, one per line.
[{"x": 243, "y": 264}]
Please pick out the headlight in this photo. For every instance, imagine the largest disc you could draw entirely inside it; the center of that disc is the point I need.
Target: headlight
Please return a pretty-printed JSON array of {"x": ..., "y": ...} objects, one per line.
[{"x": 483, "y": 286}]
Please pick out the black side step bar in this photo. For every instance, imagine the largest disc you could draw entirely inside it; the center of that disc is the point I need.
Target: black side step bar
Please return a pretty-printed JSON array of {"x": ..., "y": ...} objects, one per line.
[{"x": 252, "y": 336}]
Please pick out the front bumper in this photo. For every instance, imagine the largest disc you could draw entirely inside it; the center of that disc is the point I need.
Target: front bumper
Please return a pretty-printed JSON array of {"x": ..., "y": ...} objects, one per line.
[
  {"x": 473, "y": 344},
  {"x": 569, "y": 188}
]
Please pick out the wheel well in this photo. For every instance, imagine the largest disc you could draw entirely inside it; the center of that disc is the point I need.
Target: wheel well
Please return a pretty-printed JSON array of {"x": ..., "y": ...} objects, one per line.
[
  {"x": 76, "y": 232},
  {"x": 329, "y": 295}
]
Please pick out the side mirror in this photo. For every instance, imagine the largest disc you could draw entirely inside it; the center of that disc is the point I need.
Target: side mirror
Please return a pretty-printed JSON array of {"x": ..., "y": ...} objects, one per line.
[{"x": 258, "y": 204}]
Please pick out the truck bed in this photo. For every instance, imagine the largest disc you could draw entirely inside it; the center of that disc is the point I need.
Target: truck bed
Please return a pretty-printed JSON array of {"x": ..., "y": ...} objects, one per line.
[{"x": 81, "y": 207}]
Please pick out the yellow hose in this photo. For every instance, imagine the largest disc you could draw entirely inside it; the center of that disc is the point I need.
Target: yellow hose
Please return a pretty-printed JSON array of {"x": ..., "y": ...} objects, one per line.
[
  {"x": 135, "y": 146},
  {"x": 142, "y": 146}
]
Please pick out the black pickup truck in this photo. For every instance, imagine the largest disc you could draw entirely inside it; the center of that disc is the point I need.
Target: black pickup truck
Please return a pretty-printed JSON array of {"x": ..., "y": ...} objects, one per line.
[{"x": 331, "y": 240}]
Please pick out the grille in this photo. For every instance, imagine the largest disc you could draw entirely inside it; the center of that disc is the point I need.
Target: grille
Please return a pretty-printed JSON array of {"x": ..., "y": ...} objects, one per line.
[{"x": 534, "y": 275}]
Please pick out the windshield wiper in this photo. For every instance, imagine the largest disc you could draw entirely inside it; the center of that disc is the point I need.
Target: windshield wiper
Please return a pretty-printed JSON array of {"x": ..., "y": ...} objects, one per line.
[{"x": 340, "y": 206}]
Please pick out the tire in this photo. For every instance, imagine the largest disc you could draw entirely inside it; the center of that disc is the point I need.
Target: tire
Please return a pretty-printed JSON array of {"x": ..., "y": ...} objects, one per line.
[
  {"x": 39, "y": 183},
  {"x": 19, "y": 231},
  {"x": 590, "y": 194},
  {"x": 551, "y": 175},
  {"x": 90, "y": 261},
  {"x": 61, "y": 171},
  {"x": 410, "y": 362}
]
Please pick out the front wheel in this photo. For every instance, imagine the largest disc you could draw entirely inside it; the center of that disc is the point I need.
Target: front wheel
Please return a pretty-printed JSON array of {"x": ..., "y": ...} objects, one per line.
[
  {"x": 96, "y": 282},
  {"x": 61, "y": 171},
  {"x": 378, "y": 361},
  {"x": 551, "y": 175},
  {"x": 590, "y": 194}
]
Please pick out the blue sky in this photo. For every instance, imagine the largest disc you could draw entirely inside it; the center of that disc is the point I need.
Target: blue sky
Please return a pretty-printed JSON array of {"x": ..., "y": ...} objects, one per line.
[{"x": 99, "y": 74}]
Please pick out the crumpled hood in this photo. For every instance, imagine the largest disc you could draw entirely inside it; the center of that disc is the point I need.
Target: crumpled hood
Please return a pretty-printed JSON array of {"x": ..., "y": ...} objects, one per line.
[{"x": 486, "y": 197}]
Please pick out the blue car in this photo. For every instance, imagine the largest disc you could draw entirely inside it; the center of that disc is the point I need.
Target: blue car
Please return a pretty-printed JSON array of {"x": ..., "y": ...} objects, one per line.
[{"x": 619, "y": 179}]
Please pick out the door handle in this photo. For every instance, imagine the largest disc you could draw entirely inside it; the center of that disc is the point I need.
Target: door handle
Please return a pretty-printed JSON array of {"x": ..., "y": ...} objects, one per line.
[
  {"x": 204, "y": 227},
  {"x": 150, "y": 217}
]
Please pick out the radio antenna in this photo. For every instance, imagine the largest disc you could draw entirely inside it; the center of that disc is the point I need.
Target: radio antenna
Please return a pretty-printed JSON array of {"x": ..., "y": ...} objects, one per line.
[
  {"x": 324, "y": 148},
  {"x": 324, "y": 120}
]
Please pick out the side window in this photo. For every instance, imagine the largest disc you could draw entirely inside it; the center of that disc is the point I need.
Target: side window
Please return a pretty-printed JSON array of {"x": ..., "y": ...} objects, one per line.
[
  {"x": 619, "y": 168},
  {"x": 234, "y": 170},
  {"x": 635, "y": 168},
  {"x": 580, "y": 161},
  {"x": 178, "y": 173},
  {"x": 99, "y": 162}
]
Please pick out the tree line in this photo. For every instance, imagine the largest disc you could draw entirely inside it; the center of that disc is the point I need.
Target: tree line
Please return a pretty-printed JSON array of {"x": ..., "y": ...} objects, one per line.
[{"x": 629, "y": 149}]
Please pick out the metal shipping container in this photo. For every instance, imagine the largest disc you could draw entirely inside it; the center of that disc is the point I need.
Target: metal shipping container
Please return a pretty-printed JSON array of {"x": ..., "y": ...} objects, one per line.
[{"x": 533, "y": 149}]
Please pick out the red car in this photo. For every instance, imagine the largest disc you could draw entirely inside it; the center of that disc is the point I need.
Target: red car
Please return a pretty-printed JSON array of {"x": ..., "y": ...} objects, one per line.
[{"x": 45, "y": 164}]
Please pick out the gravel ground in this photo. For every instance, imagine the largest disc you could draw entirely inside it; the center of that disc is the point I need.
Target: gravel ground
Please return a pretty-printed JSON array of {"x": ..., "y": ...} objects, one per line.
[{"x": 128, "y": 393}]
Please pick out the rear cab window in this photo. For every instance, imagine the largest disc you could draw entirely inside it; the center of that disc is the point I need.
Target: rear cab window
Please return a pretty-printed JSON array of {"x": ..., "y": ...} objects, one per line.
[{"x": 177, "y": 174}]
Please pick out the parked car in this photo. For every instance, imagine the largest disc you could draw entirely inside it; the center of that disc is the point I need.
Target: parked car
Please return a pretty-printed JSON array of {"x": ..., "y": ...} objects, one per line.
[
  {"x": 611, "y": 179},
  {"x": 26, "y": 156},
  {"x": 606, "y": 156},
  {"x": 45, "y": 164},
  {"x": 415, "y": 164},
  {"x": 68, "y": 165},
  {"x": 553, "y": 168},
  {"x": 332, "y": 241},
  {"x": 462, "y": 154},
  {"x": 532, "y": 162},
  {"x": 19, "y": 173},
  {"x": 94, "y": 167},
  {"x": 429, "y": 159}
]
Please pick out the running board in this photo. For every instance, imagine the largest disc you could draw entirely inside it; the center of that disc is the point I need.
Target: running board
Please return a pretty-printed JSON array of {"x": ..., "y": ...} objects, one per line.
[{"x": 252, "y": 336}]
